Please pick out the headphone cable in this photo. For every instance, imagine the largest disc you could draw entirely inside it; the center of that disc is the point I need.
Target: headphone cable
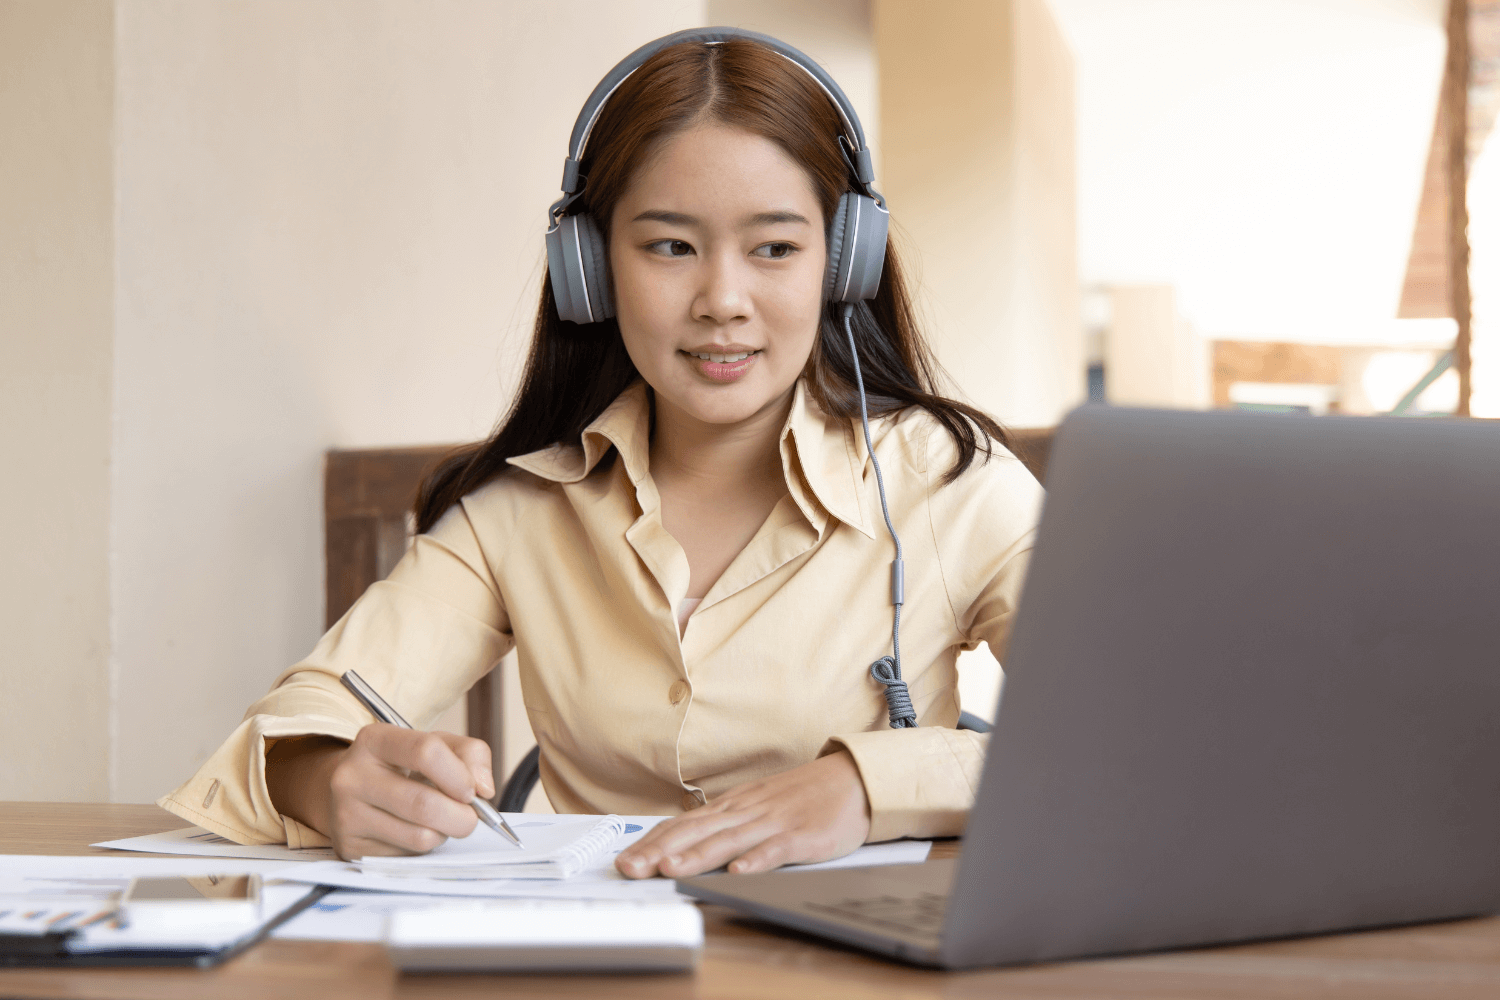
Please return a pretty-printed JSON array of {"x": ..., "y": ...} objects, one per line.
[{"x": 887, "y": 669}]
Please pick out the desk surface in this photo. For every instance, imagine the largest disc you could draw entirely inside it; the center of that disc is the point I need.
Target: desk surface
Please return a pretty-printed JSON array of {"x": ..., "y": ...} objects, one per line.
[{"x": 744, "y": 959}]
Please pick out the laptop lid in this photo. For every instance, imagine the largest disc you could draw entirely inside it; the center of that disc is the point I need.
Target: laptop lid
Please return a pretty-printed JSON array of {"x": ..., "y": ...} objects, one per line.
[{"x": 1253, "y": 689}]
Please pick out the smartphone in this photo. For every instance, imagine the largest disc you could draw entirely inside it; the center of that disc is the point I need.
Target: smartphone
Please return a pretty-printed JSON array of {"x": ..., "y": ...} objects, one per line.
[{"x": 191, "y": 902}]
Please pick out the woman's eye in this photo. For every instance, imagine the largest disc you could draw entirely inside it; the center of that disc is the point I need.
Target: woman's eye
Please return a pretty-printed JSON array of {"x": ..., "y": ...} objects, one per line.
[
  {"x": 671, "y": 248},
  {"x": 775, "y": 251}
]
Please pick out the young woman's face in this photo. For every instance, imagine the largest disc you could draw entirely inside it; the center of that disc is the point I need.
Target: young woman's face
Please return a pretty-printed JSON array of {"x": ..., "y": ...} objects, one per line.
[{"x": 717, "y": 251}]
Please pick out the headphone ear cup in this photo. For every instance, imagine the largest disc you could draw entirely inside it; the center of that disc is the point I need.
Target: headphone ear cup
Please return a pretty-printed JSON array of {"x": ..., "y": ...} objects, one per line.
[
  {"x": 836, "y": 247},
  {"x": 856, "y": 248},
  {"x": 578, "y": 264},
  {"x": 595, "y": 268}
]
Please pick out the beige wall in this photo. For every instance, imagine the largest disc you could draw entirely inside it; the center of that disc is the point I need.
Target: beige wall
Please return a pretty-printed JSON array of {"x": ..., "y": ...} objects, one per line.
[
  {"x": 56, "y": 304},
  {"x": 976, "y": 108}
]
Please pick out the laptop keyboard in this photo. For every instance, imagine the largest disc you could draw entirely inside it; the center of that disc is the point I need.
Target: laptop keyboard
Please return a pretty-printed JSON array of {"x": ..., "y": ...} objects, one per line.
[{"x": 922, "y": 912}]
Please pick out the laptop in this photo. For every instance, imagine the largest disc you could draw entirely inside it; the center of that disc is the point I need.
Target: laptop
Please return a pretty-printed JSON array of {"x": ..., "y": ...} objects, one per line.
[{"x": 1253, "y": 691}]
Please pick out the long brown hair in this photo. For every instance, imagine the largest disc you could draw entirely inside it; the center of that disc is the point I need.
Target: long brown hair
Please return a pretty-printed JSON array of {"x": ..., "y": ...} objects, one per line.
[{"x": 574, "y": 372}]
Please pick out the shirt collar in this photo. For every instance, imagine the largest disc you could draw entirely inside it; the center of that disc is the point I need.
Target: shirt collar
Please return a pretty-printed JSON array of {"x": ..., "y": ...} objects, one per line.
[{"x": 820, "y": 455}]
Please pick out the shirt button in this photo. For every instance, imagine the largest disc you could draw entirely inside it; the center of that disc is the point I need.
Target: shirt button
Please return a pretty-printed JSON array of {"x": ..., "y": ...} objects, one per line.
[
  {"x": 677, "y": 692},
  {"x": 689, "y": 800}
]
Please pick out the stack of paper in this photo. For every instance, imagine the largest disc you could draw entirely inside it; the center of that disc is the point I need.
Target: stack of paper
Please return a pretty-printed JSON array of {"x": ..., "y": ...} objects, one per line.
[
  {"x": 359, "y": 916},
  {"x": 559, "y": 851}
]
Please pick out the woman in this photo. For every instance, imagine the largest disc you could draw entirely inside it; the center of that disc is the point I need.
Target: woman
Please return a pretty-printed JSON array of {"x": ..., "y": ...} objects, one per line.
[{"x": 678, "y": 527}]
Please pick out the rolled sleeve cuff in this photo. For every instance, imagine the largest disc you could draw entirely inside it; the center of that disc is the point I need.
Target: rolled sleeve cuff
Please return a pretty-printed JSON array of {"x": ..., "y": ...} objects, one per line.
[
  {"x": 919, "y": 782},
  {"x": 228, "y": 795},
  {"x": 299, "y": 836}
]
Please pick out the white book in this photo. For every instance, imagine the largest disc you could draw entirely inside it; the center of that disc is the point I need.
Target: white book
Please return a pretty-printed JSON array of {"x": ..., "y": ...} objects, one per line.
[{"x": 558, "y": 851}]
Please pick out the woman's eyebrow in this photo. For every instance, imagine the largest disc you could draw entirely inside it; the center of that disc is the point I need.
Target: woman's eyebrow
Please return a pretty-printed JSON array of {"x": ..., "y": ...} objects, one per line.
[
  {"x": 758, "y": 219},
  {"x": 670, "y": 218},
  {"x": 775, "y": 218}
]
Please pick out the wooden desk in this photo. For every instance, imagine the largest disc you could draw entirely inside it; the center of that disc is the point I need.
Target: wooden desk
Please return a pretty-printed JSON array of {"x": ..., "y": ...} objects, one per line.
[{"x": 1452, "y": 961}]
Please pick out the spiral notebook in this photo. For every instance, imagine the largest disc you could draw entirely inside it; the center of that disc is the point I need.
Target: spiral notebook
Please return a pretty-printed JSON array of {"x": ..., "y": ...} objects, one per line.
[{"x": 559, "y": 851}]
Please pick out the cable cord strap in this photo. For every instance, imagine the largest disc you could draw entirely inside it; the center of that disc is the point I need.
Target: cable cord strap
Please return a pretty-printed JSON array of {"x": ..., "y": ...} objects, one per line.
[{"x": 887, "y": 669}]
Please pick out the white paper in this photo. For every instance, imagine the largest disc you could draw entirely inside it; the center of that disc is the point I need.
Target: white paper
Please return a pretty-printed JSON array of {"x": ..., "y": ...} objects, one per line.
[
  {"x": 589, "y": 885},
  {"x": 894, "y": 852},
  {"x": 601, "y": 881},
  {"x": 194, "y": 841},
  {"x": 321, "y": 866},
  {"x": 542, "y": 841},
  {"x": 100, "y": 875},
  {"x": 352, "y": 915}
]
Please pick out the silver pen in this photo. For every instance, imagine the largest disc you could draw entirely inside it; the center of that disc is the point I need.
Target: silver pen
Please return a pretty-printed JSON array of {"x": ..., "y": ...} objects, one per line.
[{"x": 385, "y": 713}]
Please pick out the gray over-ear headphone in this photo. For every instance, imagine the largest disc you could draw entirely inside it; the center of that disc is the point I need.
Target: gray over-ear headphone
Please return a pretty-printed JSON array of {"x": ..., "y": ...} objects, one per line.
[{"x": 577, "y": 258}]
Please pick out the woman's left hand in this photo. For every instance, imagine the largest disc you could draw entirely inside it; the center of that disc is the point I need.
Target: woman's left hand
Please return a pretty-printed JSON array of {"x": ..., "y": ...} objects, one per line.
[{"x": 815, "y": 812}]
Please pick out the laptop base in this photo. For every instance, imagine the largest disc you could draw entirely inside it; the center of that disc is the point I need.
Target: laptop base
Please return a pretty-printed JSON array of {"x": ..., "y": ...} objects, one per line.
[{"x": 896, "y": 910}]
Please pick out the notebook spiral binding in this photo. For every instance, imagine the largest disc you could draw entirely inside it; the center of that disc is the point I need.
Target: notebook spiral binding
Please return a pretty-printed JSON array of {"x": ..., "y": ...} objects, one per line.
[{"x": 591, "y": 846}]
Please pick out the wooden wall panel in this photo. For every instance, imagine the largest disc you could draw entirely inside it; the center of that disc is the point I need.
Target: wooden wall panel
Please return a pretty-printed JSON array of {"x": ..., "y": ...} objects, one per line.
[{"x": 1427, "y": 292}]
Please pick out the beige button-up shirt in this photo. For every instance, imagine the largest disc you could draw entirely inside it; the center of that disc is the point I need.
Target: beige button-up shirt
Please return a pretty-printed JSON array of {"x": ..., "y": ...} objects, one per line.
[{"x": 564, "y": 558}]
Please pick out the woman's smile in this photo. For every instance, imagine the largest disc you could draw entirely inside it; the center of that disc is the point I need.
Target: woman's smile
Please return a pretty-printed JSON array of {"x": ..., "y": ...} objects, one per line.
[{"x": 727, "y": 365}]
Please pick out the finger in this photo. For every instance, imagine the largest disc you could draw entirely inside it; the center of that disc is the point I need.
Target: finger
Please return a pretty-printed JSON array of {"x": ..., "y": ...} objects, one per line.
[
  {"x": 413, "y": 801},
  {"x": 366, "y": 830},
  {"x": 672, "y": 837},
  {"x": 426, "y": 753},
  {"x": 773, "y": 852},
  {"x": 719, "y": 849},
  {"x": 702, "y": 824},
  {"x": 477, "y": 755},
  {"x": 640, "y": 859},
  {"x": 653, "y": 836}
]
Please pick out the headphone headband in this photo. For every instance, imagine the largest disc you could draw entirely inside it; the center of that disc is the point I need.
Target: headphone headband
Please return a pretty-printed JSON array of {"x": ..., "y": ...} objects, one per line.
[
  {"x": 578, "y": 260},
  {"x": 856, "y": 150}
]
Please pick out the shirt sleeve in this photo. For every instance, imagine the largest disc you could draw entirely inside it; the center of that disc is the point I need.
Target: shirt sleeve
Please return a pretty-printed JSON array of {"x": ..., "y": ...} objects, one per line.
[
  {"x": 921, "y": 782},
  {"x": 421, "y": 637}
]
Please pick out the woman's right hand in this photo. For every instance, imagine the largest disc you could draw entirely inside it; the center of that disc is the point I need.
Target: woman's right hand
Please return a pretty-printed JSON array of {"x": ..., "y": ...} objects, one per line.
[{"x": 368, "y": 796}]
